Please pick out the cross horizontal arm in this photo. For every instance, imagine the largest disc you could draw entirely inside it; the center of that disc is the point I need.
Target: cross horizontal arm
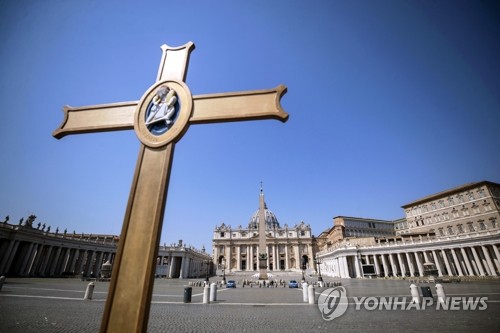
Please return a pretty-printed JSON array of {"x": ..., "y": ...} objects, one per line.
[
  {"x": 209, "y": 108},
  {"x": 239, "y": 106},
  {"x": 96, "y": 118}
]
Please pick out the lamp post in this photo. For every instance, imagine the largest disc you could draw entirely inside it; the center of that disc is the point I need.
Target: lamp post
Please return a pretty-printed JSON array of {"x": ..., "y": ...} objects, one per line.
[
  {"x": 318, "y": 264},
  {"x": 224, "y": 271},
  {"x": 206, "y": 279}
]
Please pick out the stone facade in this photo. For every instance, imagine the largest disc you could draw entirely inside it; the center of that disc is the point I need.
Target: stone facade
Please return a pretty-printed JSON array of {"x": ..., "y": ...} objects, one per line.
[
  {"x": 462, "y": 210},
  {"x": 237, "y": 249},
  {"x": 26, "y": 250},
  {"x": 183, "y": 262},
  {"x": 455, "y": 230},
  {"x": 34, "y": 251}
]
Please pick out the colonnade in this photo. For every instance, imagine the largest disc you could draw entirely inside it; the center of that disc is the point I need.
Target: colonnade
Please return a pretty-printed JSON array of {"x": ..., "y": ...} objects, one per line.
[
  {"x": 46, "y": 259},
  {"x": 183, "y": 263},
  {"x": 279, "y": 256},
  {"x": 463, "y": 260}
]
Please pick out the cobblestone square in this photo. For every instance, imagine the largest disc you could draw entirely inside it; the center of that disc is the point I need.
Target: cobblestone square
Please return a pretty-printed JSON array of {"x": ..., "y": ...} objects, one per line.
[{"x": 57, "y": 305}]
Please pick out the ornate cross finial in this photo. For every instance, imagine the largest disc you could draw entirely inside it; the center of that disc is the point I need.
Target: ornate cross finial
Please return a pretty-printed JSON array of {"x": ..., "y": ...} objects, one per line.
[{"x": 261, "y": 189}]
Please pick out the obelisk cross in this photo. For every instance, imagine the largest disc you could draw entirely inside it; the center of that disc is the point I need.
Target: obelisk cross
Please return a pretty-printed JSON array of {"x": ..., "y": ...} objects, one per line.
[{"x": 160, "y": 119}]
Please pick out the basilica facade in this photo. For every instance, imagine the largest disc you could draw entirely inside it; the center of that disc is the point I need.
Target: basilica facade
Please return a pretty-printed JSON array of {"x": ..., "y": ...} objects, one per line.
[{"x": 288, "y": 248}]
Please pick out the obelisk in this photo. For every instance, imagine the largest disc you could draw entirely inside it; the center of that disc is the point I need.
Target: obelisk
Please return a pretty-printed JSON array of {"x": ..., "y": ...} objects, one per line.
[{"x": 262, "y": 237}]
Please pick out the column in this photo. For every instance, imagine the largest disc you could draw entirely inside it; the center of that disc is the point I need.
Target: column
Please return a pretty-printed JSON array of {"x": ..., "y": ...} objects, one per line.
[
  {"x": 401, "y": 264},
  {"x": 26, "y": 258},
  {"x": 357, "y": 267},
  {"x": 275, "y": 256},
  {"x": 286, "y": 257},
  {"x": 436, "y": 261},
  {"x": 98, "y": 263},
  {"x": 344, "y": 268},
  {"x": 90, "y": 264},
  {"x": 384, "y": 264},
  {"x": 238, "y": 258},
  {"x": 45, "y": 261},
  {"x": 477, "y": 261},
  {"x": 171, "y": 267},
  {"x": 339, "y": 268},
  {"x": 4, "y": 264},
  {"x": 426, "y": 258},
  {"x": 182, "y": 273},
  {"x": 54, "y": 262},
  {"x": 36, "y": 260},
  {"x": 250, "y": 257},
  {"x": 446, "y": 262},
  {"x": 65, "y": 261},
  {"x": 420, "y": 266},
  {"x": 410, "y": 264},
  {"x": 488, "y": 260},
  {"x": 497, "y": 259},
  {"x": 75, "y": 254},
  {"x": 457, "y": 262},
  {"x": 297, "y": 257},
  {"x": 377, "y": 266},
  {"x": 393, "y": 265},
  {"x": 467, "y": 262}
]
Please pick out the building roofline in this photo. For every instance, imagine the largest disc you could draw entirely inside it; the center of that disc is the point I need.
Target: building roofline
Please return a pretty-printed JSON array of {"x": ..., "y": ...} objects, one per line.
[
  {"x": 365, "y": 219},
  {"x": 448, "y": 192}
]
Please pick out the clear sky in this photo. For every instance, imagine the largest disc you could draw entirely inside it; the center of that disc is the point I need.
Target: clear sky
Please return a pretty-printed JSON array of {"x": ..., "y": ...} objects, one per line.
[{"x": 389, "y": 101}]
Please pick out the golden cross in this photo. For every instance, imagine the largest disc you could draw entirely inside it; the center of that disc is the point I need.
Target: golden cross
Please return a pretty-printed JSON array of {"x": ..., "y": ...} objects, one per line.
[{"x": 160, "y": 118}]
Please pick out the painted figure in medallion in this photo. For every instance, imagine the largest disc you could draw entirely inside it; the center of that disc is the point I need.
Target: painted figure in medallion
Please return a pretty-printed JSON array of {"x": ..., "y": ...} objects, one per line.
[{"x": 162, "y": 107}]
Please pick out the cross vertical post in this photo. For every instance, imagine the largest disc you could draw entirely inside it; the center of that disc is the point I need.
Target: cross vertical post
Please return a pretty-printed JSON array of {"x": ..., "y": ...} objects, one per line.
[{"x": 160, "y": 119}]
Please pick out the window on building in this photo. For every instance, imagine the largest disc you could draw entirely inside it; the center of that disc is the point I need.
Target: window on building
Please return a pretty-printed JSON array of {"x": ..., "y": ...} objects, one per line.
[
  {"x": 450, "y": 201},
  {"x": 465, "y": 212},
  {"x": 471, "y": 227},
  {"x": 455, "y": 213},
  {"x": 302, "y": 233},
  {"x": 460, "y": 198},
  {"x": 450, "y": 230},
  {"x": 470, "y": 195},
  {"x": 441, "y": 203},
  {"x": 475, "y": 209},
  {"x": 480, "y": 193},
  {"x": 446, "y": 217},
  {"x": 487, "y": 207},
  {"x": 441, "y": 232},
  {"x": 494, "y": 223},
  {"x": 460, "y": 229},
  {"x": 433, "y": 206},
  {"x": 482, "y": 226},
  {"x": 222, "y": 234}
]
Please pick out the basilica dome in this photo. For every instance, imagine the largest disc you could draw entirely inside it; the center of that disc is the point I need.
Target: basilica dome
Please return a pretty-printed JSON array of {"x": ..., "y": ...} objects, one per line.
[{"x": 271, "y": 220}]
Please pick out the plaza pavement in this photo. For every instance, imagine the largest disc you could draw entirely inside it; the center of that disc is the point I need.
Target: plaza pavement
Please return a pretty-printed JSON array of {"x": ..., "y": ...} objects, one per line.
[{"x": 57, "y": 305}]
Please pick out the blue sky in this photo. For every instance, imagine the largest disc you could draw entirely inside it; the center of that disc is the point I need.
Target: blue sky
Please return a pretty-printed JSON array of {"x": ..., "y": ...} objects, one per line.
[{"x": 389, "y": 101}]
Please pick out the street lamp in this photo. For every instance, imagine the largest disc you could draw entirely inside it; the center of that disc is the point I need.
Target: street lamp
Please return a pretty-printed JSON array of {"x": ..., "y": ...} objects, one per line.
[
  {"x": 224, "y": 271},
  {"x": 206, "y": 279},
  {"x": 304, "y": 265},
  {"x": 318, "y": 264}
]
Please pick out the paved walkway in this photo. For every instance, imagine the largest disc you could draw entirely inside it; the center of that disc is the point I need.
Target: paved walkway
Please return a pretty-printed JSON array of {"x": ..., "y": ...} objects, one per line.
[{"x": 57, "y": 305}]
